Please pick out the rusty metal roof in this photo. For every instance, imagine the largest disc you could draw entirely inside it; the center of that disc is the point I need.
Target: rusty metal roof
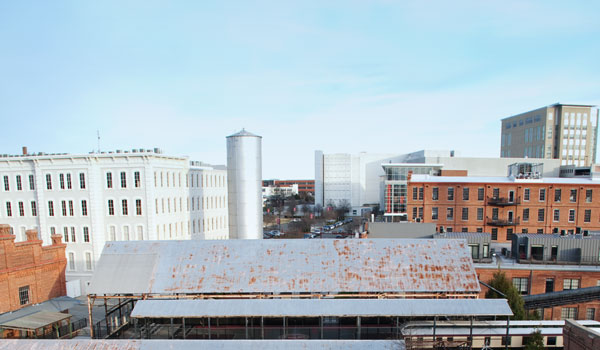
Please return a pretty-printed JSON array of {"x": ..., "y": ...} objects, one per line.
[
  {"x": 229, "y": 344},
  {"x": 34, "y": 321},
  {"x": 285, "y": 266},
  {"x": 320, "y": 307}
]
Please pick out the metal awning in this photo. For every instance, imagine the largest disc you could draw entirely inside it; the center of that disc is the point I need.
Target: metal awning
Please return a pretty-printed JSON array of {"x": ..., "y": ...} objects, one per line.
[
  {"x": 35, "y": 321},
  {"x": 320, "y": 307}
]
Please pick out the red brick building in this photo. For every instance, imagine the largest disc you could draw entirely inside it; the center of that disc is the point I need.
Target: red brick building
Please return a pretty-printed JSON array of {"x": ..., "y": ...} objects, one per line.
[
  {"x": 540, "y": 279},
  {"x": 304, "y": 186},
  {"x": 505, "y": 205},
  {"x": 29, "y": 272}
]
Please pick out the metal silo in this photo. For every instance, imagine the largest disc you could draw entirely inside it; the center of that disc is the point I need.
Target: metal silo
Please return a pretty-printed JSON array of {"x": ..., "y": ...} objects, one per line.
[{"x": 244, "y": 173}]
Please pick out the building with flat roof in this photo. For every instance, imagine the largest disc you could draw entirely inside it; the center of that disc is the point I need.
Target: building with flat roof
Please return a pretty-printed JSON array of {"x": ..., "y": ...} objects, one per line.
[
  {"x": 93, "y": 198},
  {"x": 560, "y": 131}
]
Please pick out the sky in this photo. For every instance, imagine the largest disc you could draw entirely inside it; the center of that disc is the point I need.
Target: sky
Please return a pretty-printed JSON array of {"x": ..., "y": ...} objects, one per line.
[{"x": 337, "y": 76}]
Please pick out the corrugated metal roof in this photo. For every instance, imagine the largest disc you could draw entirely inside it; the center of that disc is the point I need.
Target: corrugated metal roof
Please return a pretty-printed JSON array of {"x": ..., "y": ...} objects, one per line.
[
  {"x": 53, "y": 305},
  {"x": 279, "y": 266},
  {"x": 479, "y": 332},
  {"x": 127, "y": 344},
  {"x": 321, "y": 307},
  {"x": 464, "y": 235},
  {"x": 34, "y": 321}
]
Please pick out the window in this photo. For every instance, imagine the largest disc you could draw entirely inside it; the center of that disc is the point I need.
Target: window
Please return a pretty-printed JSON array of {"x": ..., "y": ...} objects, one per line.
[
  {"x": 6, "y": 184},
  {"x": 31, "y": 182},
  {"x": 33, "y": 208},
  {"x": 61, "y": 181},
  {"x": 450, "y": 193},
  {"x": 526, "y": 194},
  {"x": 496, "y": 193},
  {"x": 140, "y": 230},
  {"x": 136, "y": 178},
  {"x": 71, "y": 261},
  {"x": 82, "y": 181},
  {"x": 73, "y": 236},
  {"x": 48, "y": 181},
  {"x": 71, "y": 208},
  {"x": 568, "y": 312},
  {"x": 84, "y": 208},
  {"x": 509, "y": 234},
  {"x": 434, "y": 213},
  {"x": 542, "y": 194},
  {"x": 415, "y": 193},
  {"x": 556, "y": 216},
  {"x": 465, "y": 194},
  {"x": 479, "y": 229},
  {"x": 86, "y": 234},
  {"x": 123, "y": 179},
  {"x": 50, "y": 208},
  {"x": 474, "y": 248},
  {"x": 21, "y": 209},
  {"x": 63, "y": 205},
  {"x": 588, "y": 196},
  {"x": 590, "y": 313},
  {"x": 420, "y": 193},
  {"x": 494, "y": 213},
  {"x": 69, "y": 186},
  {"x": 557, "y": 195},
  {"x": 125, "y": 233},
  {"x": 414, "y": 213},
  {"x": 124, "y": 206},
  {"x": 111, "y": 207},
  {"x": 113, "y": 234},
  {"x": 108, "y": 180},
  {"x": 549, "y": 285},
  {"x": 465, "y": 214},
  {"x": 449, "y": 213},
  {"x": 494, "y": 234},
  {"x": 521, "y": 283},
  {"x": 486, "y": 250},
  {"x": 465, "y": 229},
  {"x": 526, "y": 214},
  {"x": 8, "y": 209},
  {"x": 88, "y": 261},
  {"x": 571, "y": 215},
  {"x": 24, "y": 295},
  {"x": 570, "y": 283},
  {"x": 573, "y": 196},
  {"x": 587, "y": 215},
  {"x": 19, "y": 184},
  {"x": 550, "y": 341},
  {"x": 138, "y": 207},
  {"x": 540, "y": 214},
  {"x": 435, "y": 194},
  {"x": 480, "y": 194},
  {"x": 480, "y": 214},
  {"x": 66, "y": 234}
]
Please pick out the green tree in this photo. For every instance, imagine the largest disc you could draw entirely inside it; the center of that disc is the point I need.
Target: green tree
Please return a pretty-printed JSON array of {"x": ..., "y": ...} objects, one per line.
[
  {"x": 535, "y": 341},
  {"x": 503, "y": 285}
]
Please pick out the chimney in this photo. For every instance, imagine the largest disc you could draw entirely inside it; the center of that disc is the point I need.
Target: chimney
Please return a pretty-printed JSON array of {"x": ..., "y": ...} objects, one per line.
[
  {"x": 56, "y": 239},
  {"x": 32, "y": 235},
  {"x": 5, "y": 230},
  {"x": 25, "y": 150}
]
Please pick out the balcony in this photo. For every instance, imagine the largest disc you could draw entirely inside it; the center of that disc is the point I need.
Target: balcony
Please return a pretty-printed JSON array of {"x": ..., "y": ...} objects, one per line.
[
  {"x": 502, "y": 202},
  {"x": 500, "y": 222}
]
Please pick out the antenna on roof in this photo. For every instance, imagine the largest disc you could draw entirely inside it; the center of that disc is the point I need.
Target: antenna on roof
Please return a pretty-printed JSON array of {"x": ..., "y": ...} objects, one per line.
[{"x": 98, "y": 134}]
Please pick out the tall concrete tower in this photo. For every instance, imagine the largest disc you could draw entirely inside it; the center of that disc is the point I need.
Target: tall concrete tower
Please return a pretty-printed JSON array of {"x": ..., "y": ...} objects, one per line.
[{"x": 244, "y": 184}]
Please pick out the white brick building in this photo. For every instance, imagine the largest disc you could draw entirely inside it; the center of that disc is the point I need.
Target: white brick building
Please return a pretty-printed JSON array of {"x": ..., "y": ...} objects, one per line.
[{"x": 99, "y": 197}]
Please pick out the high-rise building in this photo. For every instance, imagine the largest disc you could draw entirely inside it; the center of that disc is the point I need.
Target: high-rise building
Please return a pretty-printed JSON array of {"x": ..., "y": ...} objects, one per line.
[
  {"x": 111, "y": 196},
  {"x": 560, "y": 131}
]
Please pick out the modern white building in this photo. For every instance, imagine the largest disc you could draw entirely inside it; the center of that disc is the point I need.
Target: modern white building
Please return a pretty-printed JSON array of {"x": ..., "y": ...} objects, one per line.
[{"x": 115, "y": 196}]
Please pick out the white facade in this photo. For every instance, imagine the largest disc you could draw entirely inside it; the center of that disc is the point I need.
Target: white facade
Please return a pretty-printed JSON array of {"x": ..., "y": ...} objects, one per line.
[{"x": 99, "y": 197}]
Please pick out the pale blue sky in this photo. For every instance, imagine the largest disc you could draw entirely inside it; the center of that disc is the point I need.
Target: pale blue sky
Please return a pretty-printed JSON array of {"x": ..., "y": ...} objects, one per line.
[{"x": 340, "y": 76}]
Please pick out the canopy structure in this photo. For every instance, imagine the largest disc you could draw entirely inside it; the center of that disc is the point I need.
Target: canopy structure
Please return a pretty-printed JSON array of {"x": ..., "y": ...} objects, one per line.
[
  {"x": 35, "y": 321},
  {"x": 321, "y": 307}
]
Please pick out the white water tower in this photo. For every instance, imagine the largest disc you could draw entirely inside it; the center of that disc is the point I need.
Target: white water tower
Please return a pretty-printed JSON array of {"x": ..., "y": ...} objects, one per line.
[{"x": 244, "y": 185}]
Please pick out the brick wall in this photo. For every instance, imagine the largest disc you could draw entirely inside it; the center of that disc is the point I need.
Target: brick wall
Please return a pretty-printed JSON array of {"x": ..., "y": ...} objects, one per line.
[
  {"x": 537, "y": 285},
  {"x": 577, "y": 337},
  {"x": 30, "y": 264}
]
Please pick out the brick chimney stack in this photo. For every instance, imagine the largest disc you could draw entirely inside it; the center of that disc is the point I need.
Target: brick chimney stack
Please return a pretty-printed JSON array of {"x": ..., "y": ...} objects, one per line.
[
  {"x": 5, "y": 231},
  {"x": 56, "y": 239},
  {"x": 32, "y": 235},
  {"x": 25, "y": 151}
]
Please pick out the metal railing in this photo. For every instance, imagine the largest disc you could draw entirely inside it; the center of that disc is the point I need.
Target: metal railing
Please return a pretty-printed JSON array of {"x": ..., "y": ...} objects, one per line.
[
  {"x": 545, "y": 260},
  {"x": 501, "y": 222},
  {"x": 501, "y": 201}
]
